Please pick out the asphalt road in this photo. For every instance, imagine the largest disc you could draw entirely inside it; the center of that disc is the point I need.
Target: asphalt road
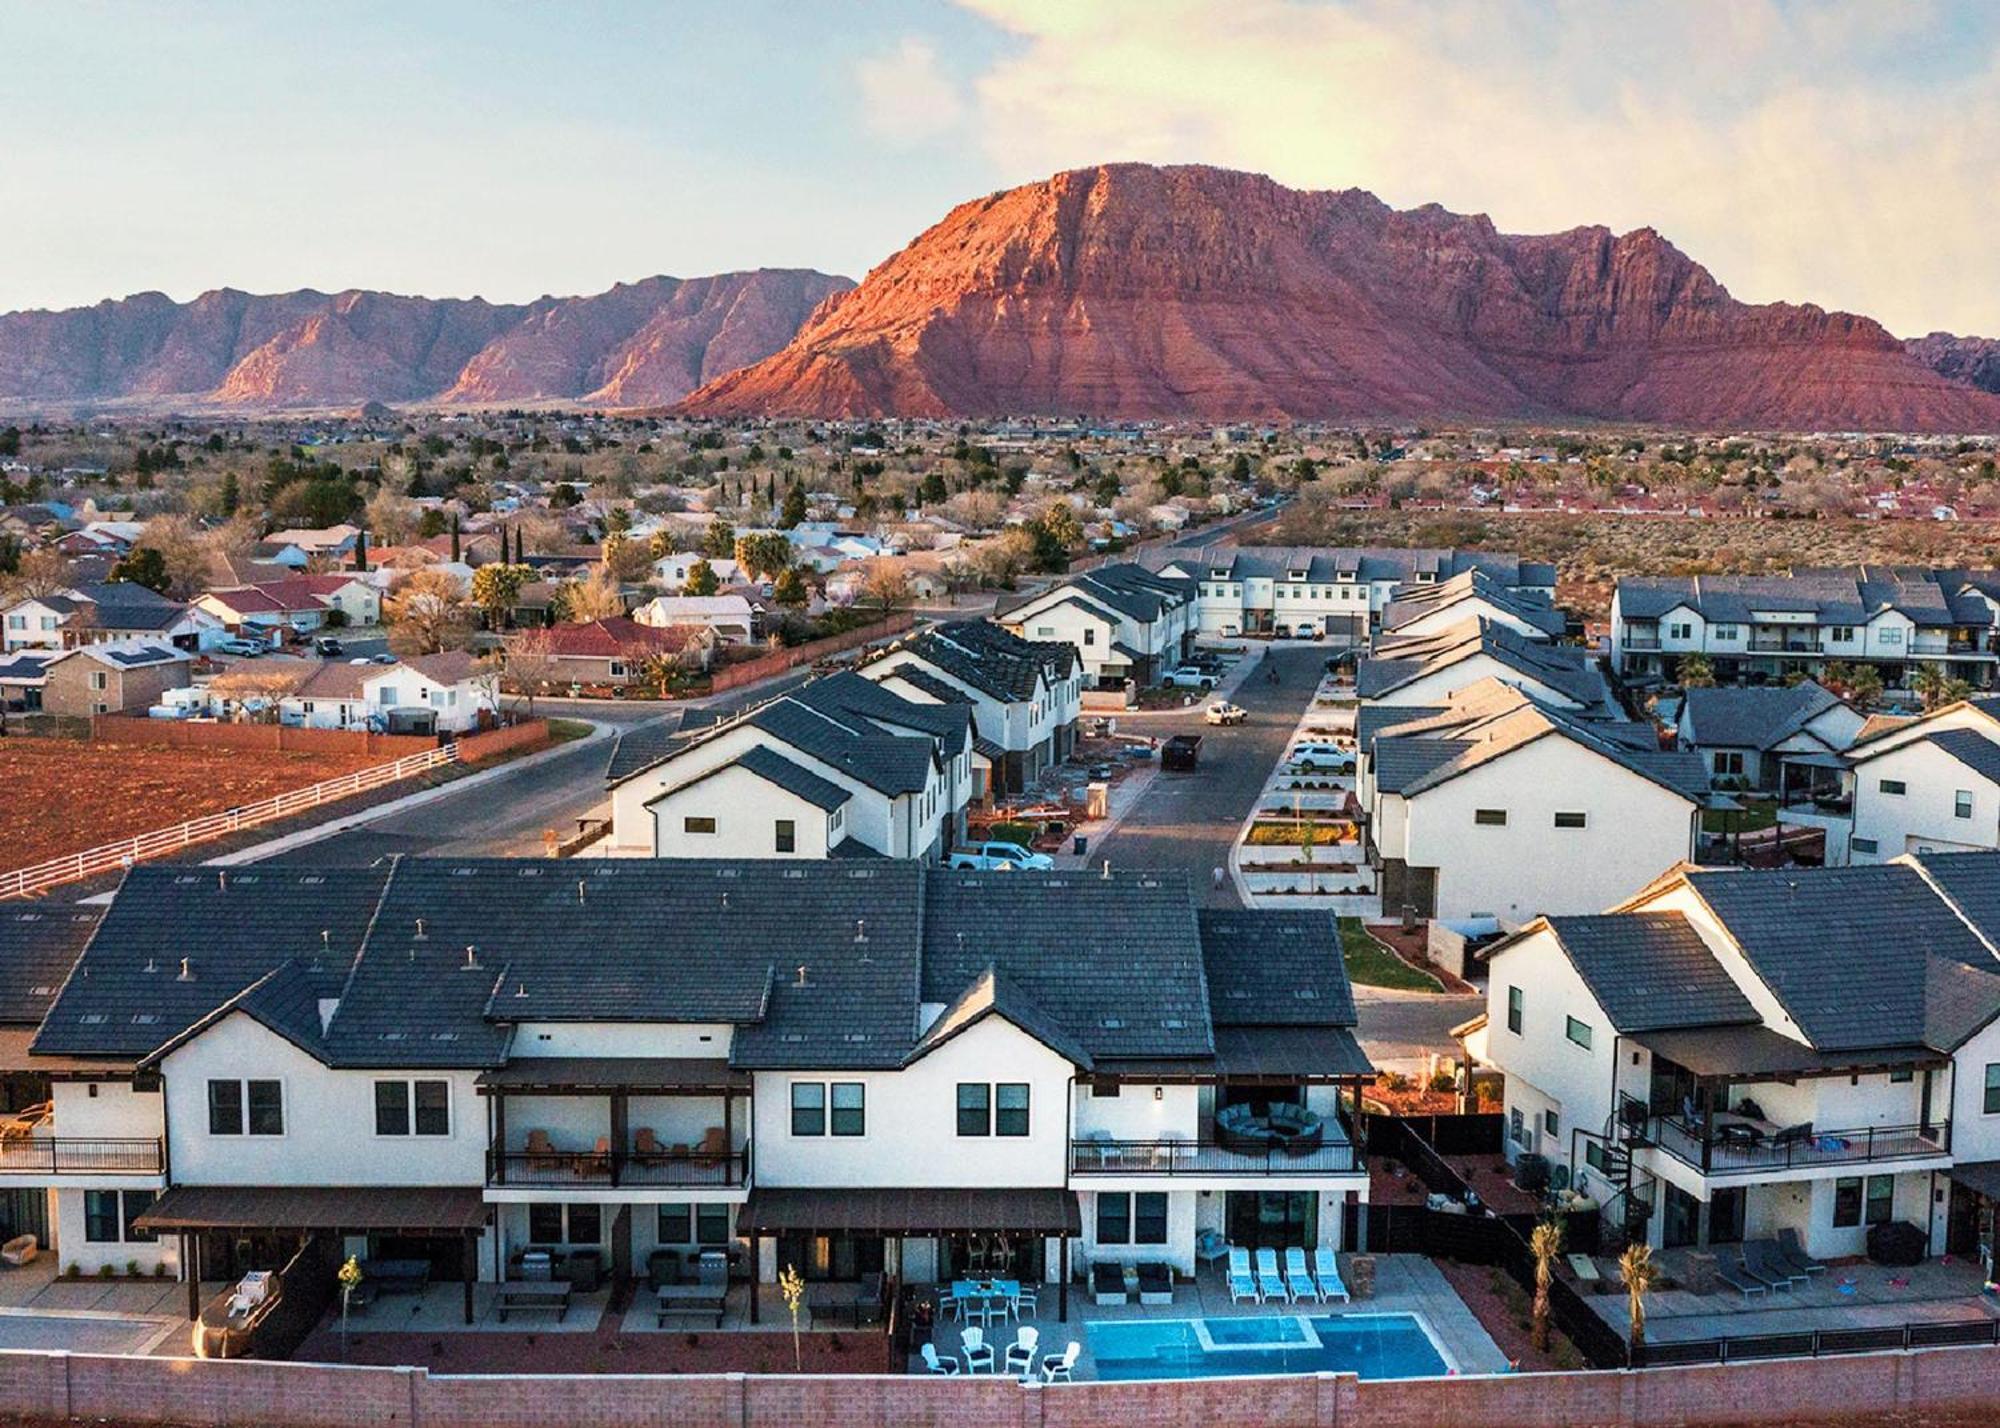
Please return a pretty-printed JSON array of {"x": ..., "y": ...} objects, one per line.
[{"x": 1186, "y": 822}]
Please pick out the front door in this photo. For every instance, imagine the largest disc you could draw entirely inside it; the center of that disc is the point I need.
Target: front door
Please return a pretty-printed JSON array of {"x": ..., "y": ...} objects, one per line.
[
  {"x": 1271, "y": 1219},
  {"x": 1725, "y": 1216},
  {"x": 1969, "y": 1214},
  {"x": 1681, "y": 1226}
]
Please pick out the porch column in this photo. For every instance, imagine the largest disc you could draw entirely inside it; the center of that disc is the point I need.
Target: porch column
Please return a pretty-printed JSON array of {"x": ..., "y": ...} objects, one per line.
[
  {"x": 499, "y": 1146},
  {"x": 756, "y": 1260},
  {"x": 191, "y": 1267},
  {"x": 620, "y": 1116},
  {"x": 471, "y": 1266},
  {"x": 729, "y": 1134},
  {"x": 1062, "y": 1290}
]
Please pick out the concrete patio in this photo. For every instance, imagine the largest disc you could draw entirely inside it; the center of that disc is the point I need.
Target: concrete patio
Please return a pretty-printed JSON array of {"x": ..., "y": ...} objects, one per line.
[
  {"x": 1851, "y": 1295},
  {"x": 1403, "y": 1284}
]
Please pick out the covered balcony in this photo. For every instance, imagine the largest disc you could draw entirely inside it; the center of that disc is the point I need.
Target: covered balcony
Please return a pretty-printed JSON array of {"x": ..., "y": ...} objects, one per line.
[
  {"x": 595, "y": 1123},
  {"x": 30, "y": 1148}
]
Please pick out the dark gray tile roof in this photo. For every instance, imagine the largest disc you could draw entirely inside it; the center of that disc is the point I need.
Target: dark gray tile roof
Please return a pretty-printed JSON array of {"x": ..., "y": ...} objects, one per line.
[
  {"x": 1115, "y": 961},
  {"x": 127, "y": 994},
  {"x": 1975, "y": 751},
  {"x": 1565, "y": 669},
  {"x": 1366, "y": 563},
  {"x": 644, "y": 745},
  {"x": 1732, "y": 717},
  {"x": 1650, "y": 971},
  {"x": 1846, "y": 596},
  {"x": 774, "y": 767},
  {"x": 983, "y": 656},
  {"x": 1414, "y": 602},
  {"x": 1275, "y": 967},
  {"x": 1859, "y": 957},
  {"x": 992, "y": 994},
  {"x": 39, "y": 943}
]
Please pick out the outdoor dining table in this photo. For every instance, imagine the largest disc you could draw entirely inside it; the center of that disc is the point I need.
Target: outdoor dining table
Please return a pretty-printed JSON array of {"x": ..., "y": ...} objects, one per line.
[{"x": 984, "y": 1292}]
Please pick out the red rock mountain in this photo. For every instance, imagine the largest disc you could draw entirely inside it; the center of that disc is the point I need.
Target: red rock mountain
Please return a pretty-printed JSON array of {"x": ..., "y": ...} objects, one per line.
[
  {"x": 1974, "y": 361},
  {"x": 1140, "y": 292},
  {"x": 645, "y": 343}
]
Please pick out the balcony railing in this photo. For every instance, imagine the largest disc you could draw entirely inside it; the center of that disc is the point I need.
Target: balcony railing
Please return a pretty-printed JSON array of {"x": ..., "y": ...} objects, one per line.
[
  {"x": 1209, "y": 1157},
  {"x": 1638, "y": 640},
  {"x": 1741, "y": 1149},
  {"x": 1784, "y": 644},
  {"x": 584, "y": 1168},
  {"x": 79, "y": 1155}
]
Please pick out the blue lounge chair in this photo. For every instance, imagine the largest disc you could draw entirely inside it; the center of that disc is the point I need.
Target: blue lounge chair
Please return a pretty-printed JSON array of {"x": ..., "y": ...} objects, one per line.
[
  {"x": 1298, "y": 1279},
  {"x": 1326, "y": 1271},
  {"x": 1270, "y": 1283},
  {"x": 1242, "y": 1283}
]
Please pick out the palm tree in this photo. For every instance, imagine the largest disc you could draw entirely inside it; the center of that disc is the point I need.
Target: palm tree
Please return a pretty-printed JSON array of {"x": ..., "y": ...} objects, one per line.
[
  {"x": 1544, "y": 1244},
  {"x": 1927, "y": 682},
  {"x": 1697, "y": 671},
  {"x": 1636, "y": 1265}
]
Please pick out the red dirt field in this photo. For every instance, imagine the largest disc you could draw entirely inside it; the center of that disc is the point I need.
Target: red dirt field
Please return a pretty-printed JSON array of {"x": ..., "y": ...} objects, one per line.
[{"x": 64, "y": 795}]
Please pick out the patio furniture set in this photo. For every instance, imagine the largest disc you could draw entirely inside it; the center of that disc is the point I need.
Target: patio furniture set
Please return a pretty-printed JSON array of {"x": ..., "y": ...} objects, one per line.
[
  {"x": 383, "y": 1277},
  {"x": 1018, "y": 1361},
  {"x": 1284, "y": 1127},
  {"x": 984, "y": 1300},
  {"x": 674, "y": 1297},
  {"x": 1760, "y": 1266},
  {"x": 1298, "y": 1284},
  {"x": 1113, "y": 1283},
  {"x": 647, "y": 1149}
]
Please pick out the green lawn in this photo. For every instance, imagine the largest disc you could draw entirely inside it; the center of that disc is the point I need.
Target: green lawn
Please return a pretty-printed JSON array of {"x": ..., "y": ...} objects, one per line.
[
  {"x": 1755, "y": 814},
  {"x": 561, "y": 731},
  {"x": 1371, "y": 964}
]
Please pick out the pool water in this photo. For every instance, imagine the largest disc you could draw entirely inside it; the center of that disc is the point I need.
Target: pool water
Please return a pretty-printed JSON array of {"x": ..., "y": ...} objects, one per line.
[{"x": 1370, "y": 1345}]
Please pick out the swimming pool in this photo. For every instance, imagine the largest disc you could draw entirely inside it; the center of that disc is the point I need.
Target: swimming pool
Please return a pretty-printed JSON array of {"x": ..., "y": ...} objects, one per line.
[{"x": 1371, "y": 1345}]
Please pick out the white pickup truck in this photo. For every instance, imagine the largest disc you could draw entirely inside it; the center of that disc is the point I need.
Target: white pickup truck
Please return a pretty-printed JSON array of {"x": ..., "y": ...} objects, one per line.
[{"x": 999, "y": 858}]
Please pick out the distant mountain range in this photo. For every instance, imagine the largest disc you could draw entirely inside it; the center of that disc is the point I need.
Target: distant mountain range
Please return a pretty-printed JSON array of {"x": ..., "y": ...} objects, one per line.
[
  {"x": 1124, "y": 291},
  {"x": 1134, "y": 291},
  {"x": 640, "y": 344}
]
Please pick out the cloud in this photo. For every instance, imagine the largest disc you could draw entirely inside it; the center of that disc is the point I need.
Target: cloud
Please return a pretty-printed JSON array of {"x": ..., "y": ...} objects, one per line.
[
  {"x": 1839, "y": 153},
  {"x": 906, "y": 96}
]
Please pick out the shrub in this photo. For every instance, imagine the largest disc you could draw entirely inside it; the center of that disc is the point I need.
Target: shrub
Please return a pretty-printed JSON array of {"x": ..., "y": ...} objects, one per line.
[
  {"x": 1444, "y": 1081},
  {"x": 105, "y": 1271}
]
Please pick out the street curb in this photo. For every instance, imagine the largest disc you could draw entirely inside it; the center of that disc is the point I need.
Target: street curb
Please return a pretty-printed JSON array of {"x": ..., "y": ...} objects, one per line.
[{"x": 305, "y": 837}]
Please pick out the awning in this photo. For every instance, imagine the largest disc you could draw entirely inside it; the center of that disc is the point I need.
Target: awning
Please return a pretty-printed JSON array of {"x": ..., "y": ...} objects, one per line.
[
  {"x": 1253, "y": 1053},
  {"x": 686, "y": 1075},
  {"x": 1980, "y": 1175},
  {"x": 1745, "y": 1051},
  {"x": 896, "y": 1211},
  {"x": 400, "y": 1209}
]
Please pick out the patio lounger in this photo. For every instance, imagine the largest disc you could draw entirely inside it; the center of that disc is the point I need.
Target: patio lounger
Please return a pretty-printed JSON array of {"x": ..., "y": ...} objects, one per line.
[
  {"x": 534, "y": 1296},
  {"x": 1739, "y": 1278},
  {"x": 1107, "y": 1283},
  {"x": 1156, "y": 1284},
  {"x": 1242, "y": 1283},
  {"x": 1763, "y": 1258},
  {"x": 1270, "y": 1283},
  {"x": 1791, "y": 1252},
  {"x": 1584, "y": 1268},
  {"x": 1800, "y": 1134},
  {"x": 1326, "y": 1273},
  {"x": 688, "y": 1301},
  {"x": 1298, "y": 1279}
]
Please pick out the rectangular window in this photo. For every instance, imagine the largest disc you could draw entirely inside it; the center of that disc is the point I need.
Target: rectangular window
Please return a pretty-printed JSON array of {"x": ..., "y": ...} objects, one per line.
[
  {"x": 1114, "y": 1219},
  {"x": 1490, "y": 817},
  {"x": 850, "y": 1108},
  {"x": 1551, "y": 1124},
  {"x": 1857, "y": 1201},
  {"x": 974, "y": 1106},
  {"x": 1892, "y": 637},
  {"x": 1572, "y": 820},
  {"x": 1881, "y": 1206},
  {"x": 1515, "y": 1002},
  {"x": 1863, "y": 845},
  {"x": 787, "y": 836},
  {"x": 1517, "y": 1126},
  {"x": 225, "y": 1108},
  {"x": 545, "y": 1224},
  {"x": 1961, "y": 803},
  {"x": 267, "y": 1107},
  {"x": 697, "y": 825},
  {"x": 1103, "y": 1090},
  {"x": 1991, "y": 1105},
  {"x": 1902, "y": 1078},
  {"x": 808, "y": 1108},
  {"x": 675, "y": 1225},
  {"x": 392, "y": 1108},
  {"x": 1893, "y": 786},
  {"x": 1010, "y": 1108},
  {"x": 1729, "y": 763},
  {"x": 137, "y": 1203},
  {"x": 711, "y": 1224},
  {"x": 433, "y": 1107},
  {"x": 1149, "y": 1218},
  {"x": 586, "y": 1224},
  {"x": 1577, "y": 1031}
]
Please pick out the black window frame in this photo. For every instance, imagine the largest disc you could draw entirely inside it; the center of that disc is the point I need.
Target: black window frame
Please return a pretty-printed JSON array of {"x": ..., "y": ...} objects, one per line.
[
  {"x": 1517, "y": 1009},
  {"x": 858, "y": 1111},
  {"x": 1489, "y": 818},
  {"x": 590, "y": 1214},
  {"x": 785, "y": 835},
  {"x": 1114, "y": 1210},
  {"x": 1572, "y": 1026},
  {"x": 103, "y": 1210},
  {"x": 270, "y": 1107},
  {"x": 1990, "y": 1103},
  {"x": 708, "y": 1214},
  {"x": 811, "y": 1128},
  {"x": 1961, "y": 803},
  {"x": 673, "y": 1223},
  {"x": 132, "y": 1204},
  {"x": 225, "y": 1106},
  {"x": 540, "y": 1210},
  {"x": 392, "y": 1108},
  {"x": 983, "y": 1093},
  {"x": 1004, "y": 1115},
  {"x": 419, "y": 1111},
  {"x": 1893, "y": 787},
  {"x": 1574, "y": 820},
  {"x": 1149, "y": 1217},
  {"x": 1878, "y": 1209},
  {"x": 690, "y": 830}
]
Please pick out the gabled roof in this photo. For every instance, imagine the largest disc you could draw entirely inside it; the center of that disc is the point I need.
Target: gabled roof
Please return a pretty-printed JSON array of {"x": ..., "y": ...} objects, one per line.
[
  {"x": 1733, "y": 717},
  {"x": 1565, "y": 670},
  {"x": 775, "y": 769},
  {"x": 1370, "y": 564},
  {"x": 1848, "y": 596},
  {"x": 1976, "y": 752},
  {"x": 1414, "y": 602},
  {"x": 39, "y": 943},
  {"x": 991, "y": 994},
  {"x": 1650, "y": 971},
  {"x": 1275, "y": 967}
]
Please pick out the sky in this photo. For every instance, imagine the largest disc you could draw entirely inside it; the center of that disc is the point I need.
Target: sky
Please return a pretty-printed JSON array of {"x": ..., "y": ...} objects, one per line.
[{"x": 1843, "y": 152}]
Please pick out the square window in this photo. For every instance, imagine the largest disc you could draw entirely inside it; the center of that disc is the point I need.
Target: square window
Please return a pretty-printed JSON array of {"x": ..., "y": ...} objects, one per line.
[
  {"x": 1577, "y": 1031},
  {"x": 850, "y": 1108},
  {"x": 808, "y": 1108},
  {"x": 787, "y": 838},
  {"x": 1572, "y": 820},
  {"x": 1114, "y": 1219},
  {"x": 1490, "y": 817},
  {"x": 1516, "y": 1003},
  {"x": 974, "y": 1108},
  {"x": 1010, "y": 1108},
  {"x": 697, "y": 825}
]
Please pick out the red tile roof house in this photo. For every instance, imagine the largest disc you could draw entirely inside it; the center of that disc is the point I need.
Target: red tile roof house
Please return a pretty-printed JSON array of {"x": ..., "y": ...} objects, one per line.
[
  {"x": 610, "y": 651},
  {"x": 259, "y": 611}
]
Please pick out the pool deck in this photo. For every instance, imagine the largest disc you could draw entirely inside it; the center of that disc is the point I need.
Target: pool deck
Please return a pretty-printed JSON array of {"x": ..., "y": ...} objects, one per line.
[{"x": 1404, "y": 1284}]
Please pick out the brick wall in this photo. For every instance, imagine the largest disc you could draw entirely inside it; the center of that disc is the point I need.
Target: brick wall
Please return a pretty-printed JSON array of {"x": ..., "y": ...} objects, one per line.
[
  {"x": 169, "y": 733},
  {"x": 50, "y": 1388},
  {"x": 764, "y": 666},
  {"x": 530, "y": 734}
]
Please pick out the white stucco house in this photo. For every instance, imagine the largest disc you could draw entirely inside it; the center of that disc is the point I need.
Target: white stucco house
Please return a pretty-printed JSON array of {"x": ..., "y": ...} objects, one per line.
[
  {"x": 449, "y": 693},
  {"x": 1124, "y": 621},
  {"x": 1931, "y": 785}
]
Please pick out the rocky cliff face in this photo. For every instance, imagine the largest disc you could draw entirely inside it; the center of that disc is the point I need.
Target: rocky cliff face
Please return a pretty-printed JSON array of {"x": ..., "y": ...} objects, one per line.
[
  {"x": 1975, "y": 361},
  {"x": 1141, "y": 292},
  {"x": 645, "y": 343}
]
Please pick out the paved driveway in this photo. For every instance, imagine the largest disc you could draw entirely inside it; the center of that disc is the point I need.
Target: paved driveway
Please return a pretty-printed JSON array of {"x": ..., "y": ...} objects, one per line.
[{"x": 1187, "y": 822}]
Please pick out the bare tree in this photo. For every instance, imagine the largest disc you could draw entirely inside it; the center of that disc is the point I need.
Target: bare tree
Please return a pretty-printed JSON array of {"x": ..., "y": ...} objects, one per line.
[
  {"x": 531, "y": 665},
  {"x": 887, "y": 585},
  {"x": 426, "y": 613},
  {"x": 595, "y": 597},
  {"x": 183, "y": 552},
  {"x": 243, "y": 684}
]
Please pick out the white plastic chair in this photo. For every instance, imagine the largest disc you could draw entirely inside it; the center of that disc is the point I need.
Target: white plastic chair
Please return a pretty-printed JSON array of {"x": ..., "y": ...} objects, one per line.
[
  {"x": 1021, "y": 1353},
  {"x": 977, "y": 1350},
  {"x": 1059, "y": 1366},
  {"x": 936, "y": 1364}
]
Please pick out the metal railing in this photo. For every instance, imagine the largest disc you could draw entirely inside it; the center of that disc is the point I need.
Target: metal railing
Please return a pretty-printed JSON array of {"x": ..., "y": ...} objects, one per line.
[
  {"x": 80, "y": 1155},
  {"x": 1636, "y": 641},
  {"x": 694, "y": 1168},
  {"x": 1209, "y": 1156},
  {"x": 1816, "y": 1343},
  {"x": 1728, "y": 1151},
  {"x": 74, "y": 867}
]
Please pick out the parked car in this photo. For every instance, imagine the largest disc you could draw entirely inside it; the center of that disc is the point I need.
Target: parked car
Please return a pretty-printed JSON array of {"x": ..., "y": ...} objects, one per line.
[
  {"x": 999, "y": 858},
  {"x": 385, "y": 658},
  {"x": 1223, "y": 712},
  {"x": 1323, "y": 759},
  {"x": 1182, "y": 752},
  {"x": 243, "y": 649},
  {"x": 1189, "y": 676},
  {"x": 328, "y": 647}
]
